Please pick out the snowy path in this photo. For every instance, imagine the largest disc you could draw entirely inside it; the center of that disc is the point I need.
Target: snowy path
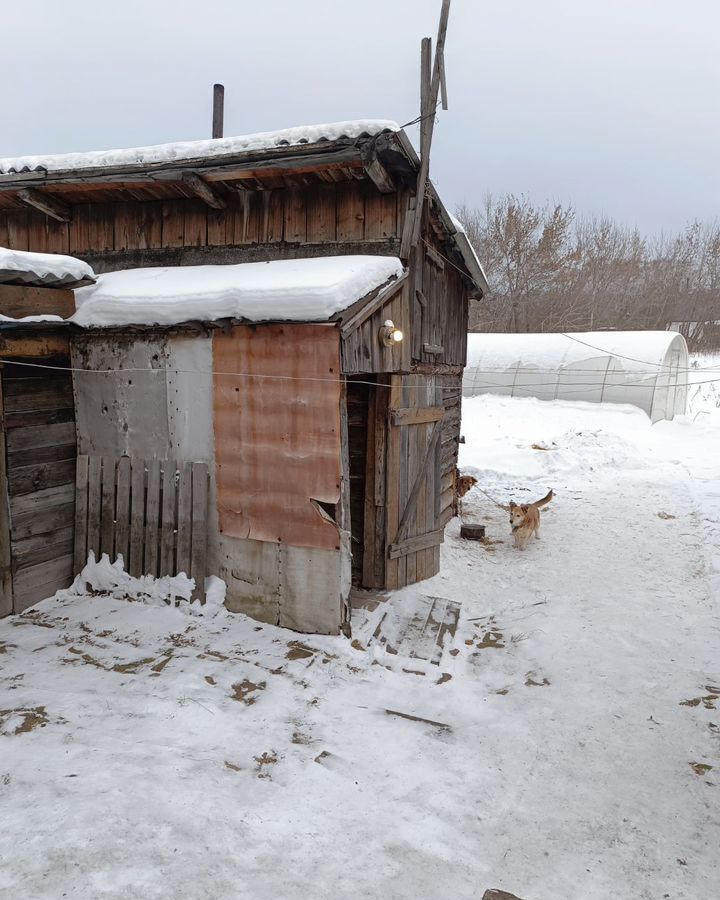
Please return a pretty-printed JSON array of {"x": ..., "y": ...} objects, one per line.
[{"x": 146, "y": 752}]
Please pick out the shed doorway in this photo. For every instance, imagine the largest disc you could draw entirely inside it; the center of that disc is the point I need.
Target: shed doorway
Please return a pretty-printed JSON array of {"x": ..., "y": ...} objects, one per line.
[{"x": 37, "y": 481}]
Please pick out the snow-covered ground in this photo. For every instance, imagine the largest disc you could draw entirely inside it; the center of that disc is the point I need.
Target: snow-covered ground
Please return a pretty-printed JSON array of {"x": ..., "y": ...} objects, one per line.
[{"x": 565, "y": 747}]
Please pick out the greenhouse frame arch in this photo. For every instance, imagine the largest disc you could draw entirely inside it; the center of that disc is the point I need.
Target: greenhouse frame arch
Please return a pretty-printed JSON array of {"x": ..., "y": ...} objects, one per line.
[{"x": 647, "y": 369}]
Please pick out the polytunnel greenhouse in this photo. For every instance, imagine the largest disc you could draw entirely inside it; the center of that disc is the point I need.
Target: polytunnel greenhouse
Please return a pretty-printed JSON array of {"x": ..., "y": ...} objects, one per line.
[{"x": 647, "y": 369}]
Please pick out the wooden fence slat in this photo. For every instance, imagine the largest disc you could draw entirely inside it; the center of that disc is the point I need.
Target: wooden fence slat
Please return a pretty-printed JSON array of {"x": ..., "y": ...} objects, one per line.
[
  {"x": 199, "y": 527},
  {"x": 107, "y": 529},
  {"x": 81, "y": 512},
  {"x": 152, "y": 515},
  {"x": 94, "y": 484},
  {"x": 122, "y": 513},
  {"x": 137, "y": 516},
  {"x": 167, "y": 539},
  {"x": 184, "y": 523}
]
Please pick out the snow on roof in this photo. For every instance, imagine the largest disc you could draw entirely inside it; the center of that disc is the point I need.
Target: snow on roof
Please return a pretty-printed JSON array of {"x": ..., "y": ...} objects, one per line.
[
  {"x": 298, "y": 290},
  {"x": 639, "y": 351},
  {"x": 43, "y": 269},
  {"x": 186, "y": 150}
]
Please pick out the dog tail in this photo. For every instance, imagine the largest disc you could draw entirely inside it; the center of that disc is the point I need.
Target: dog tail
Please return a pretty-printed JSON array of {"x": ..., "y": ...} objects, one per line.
[{"x": 546, "y": 499}]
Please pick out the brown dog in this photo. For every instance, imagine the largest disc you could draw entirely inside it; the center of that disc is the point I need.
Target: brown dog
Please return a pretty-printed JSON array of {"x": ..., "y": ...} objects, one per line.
[
  {"x": 463, "y": 483},
  {"x": 525, "y": 520}
]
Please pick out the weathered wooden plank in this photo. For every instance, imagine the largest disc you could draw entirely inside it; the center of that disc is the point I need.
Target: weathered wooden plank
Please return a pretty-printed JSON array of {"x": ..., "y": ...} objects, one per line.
[
  {"x": 195, "y": 224},
  {"x": 350, "y": 212},
  {"x": 247, "y": 216},
  {"x": 48, "y": 521},
  {"x": 416, "y": 416},
  {"x": 6, "y": 590},
  {"x": 101, "y": 227},
  {"x": 26, "y": 479},
  {"x": 321, "y": 215},
  {"x": 107, "y": 523},
  {"x": 199, "y": 528},
  {"x": 167, "y": 532},
  {"x": 94, "y": 505},
  {"x": 17, "y": 301},
  {"x": 40, "y": 436},
  {"x": 31, "y": 394},
  {"x": 435, "y": 257},
  {"x": 47, "y": 549},
  {"x": 137, "y": 516},
  {"x": 414, "y": 544},
  {"x": 122, "y": 513},
  {"x": 273, "y": 214},
  {"x": 34, "y": 595},
  {"x": 38, "y": 455},
  {"x": 173, "y": 223},
  {"x": 40, "y": 500},
  {"x": 32, "y": 418},
  {"x": 295, "y": 224},
  {"x": 80, "y": 552},
  {"x": 50, "y": 206},
  {"x": 58, "y": 569},
  {"x": 380, "y": 215},
  {"x": 184, "y": 532},
  {"x": 152, "y": 516},
  {"x": 392, "y": 484}
]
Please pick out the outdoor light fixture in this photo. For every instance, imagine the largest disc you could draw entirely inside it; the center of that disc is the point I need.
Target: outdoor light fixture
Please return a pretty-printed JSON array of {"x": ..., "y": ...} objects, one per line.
[{"x": 389, "y": 334}]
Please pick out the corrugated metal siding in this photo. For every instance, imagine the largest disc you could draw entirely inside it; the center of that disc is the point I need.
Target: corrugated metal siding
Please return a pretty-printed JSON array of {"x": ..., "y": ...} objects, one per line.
[{"x": 277, "y": 440}]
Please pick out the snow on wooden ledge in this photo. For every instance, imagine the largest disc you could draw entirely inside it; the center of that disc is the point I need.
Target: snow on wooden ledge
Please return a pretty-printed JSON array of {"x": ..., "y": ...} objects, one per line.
[
  {"x": 43, "y": 269},
  {"x": 294, "y": 290}
]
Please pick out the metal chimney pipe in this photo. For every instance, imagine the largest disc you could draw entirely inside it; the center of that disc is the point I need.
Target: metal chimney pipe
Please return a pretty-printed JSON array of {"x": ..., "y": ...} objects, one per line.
[{"x": 218, "y": 110}]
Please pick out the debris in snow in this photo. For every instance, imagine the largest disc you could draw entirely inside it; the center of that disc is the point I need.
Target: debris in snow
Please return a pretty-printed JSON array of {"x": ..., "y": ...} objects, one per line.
[
  {"x": 299, "y": 290},
  {"x": 111, "y": 579},
  {"x": 50, "y": 269}
]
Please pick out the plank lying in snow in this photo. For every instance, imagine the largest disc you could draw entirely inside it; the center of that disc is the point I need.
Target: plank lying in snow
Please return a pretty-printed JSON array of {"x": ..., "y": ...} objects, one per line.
[
  {"x": 442, "y": 725},
  {"x": 423, "y": 634}
]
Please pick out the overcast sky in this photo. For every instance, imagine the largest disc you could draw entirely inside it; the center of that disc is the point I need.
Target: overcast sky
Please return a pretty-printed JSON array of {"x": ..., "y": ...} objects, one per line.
[{"x": 611, "y": 104}]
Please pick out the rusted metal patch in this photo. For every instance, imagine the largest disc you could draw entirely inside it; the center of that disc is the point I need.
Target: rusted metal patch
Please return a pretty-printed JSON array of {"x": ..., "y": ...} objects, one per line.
[{"x": 277, "y": 440}]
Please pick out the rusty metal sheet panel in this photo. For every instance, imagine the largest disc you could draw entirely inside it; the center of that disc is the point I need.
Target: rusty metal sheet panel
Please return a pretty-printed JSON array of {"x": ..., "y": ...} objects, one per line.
[{"x": 277, "y": 440}]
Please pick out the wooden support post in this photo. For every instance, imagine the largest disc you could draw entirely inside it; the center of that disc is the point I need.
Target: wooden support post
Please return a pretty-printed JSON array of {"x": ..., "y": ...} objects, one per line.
[
  {"x": 218, "y": 110},
  {"x": 429, "y": 98},
  {"x": 6, "y": 585},
  {"x": 56, "y": 209}
]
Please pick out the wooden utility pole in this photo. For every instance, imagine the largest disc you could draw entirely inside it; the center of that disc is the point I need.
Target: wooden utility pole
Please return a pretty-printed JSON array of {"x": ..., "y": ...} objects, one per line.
[
  {"x": 218, "y": 110},
  {"x": 432, "y": 82}
]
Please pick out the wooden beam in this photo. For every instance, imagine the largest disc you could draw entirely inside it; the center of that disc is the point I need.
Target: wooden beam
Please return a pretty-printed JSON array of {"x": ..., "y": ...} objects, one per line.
[
  {"x": 435, "y": 257},
  {"x": 413, "y": 545},
  {"x": 203, "y": 190},
  {"x": 17, "y": 301},
  {"x": 430, "y": 96},
  {"x": 412, "y": 415},
  {"x": 433, "y": 349},
  {"x": 56, "y": 209},
  {"x": 361, "y": 312},
  {"x": 378, "y": 174},
  {"x": 443, "y": 83}
]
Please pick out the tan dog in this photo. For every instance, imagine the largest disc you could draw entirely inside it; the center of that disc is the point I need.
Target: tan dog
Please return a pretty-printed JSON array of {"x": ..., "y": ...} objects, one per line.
[
  {"x": 463, "y": 483},
  {"x": 525, "y": 520}
]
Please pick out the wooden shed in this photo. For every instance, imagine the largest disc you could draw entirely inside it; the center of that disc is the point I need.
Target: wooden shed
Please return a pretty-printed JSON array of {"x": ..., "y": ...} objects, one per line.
[{"x": 382, "y": 433}]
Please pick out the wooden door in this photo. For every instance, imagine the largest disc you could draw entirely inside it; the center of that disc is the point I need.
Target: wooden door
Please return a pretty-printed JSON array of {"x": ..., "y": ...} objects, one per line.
[
  {"x": 40, "y": 451},
  {"x": 413, "y": 481}
]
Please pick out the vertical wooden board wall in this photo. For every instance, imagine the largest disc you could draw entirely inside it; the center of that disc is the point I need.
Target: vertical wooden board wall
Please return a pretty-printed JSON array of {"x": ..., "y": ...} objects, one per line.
[{"x": 342, "y": 212}]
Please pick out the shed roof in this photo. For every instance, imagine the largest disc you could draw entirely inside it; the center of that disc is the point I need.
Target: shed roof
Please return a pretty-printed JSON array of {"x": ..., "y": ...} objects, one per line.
[
  {"x": 43, "y": 269},
  {"x": 294, "y": 290},
  {"x": 197, "y": 151},
  {"x": 377, "y": 147}
]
